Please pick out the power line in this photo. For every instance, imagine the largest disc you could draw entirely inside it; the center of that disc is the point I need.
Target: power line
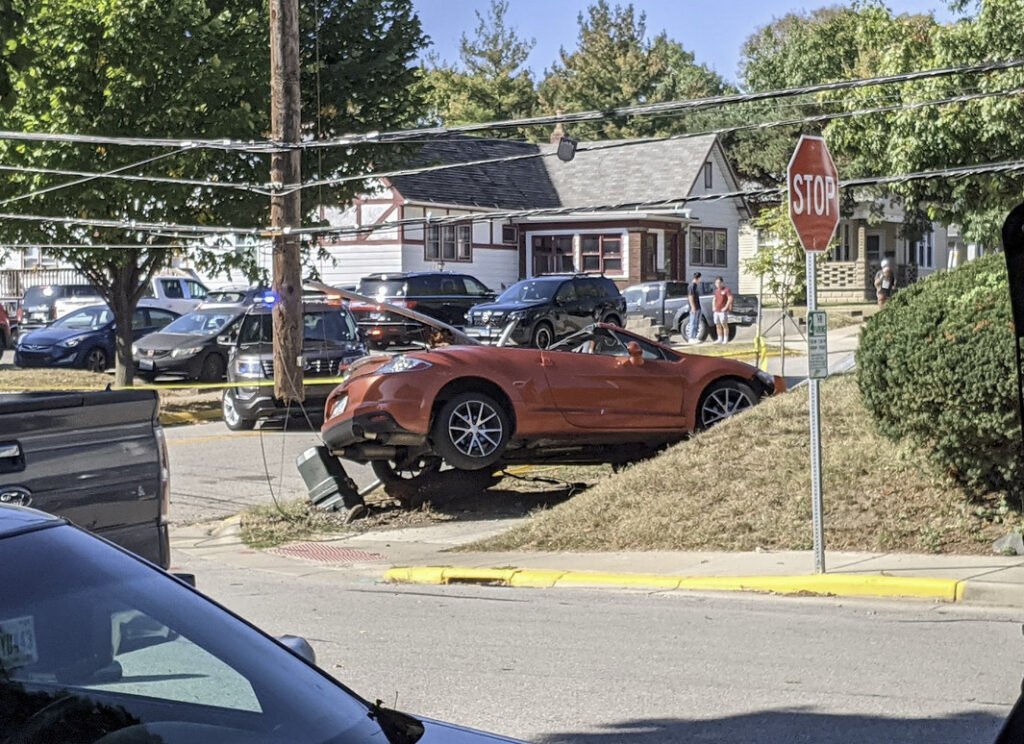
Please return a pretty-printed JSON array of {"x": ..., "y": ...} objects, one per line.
[
  {"x": 250, "y": 146},
  {"x": 662, "y": 108},
  {"x": 112, "y": 175}
]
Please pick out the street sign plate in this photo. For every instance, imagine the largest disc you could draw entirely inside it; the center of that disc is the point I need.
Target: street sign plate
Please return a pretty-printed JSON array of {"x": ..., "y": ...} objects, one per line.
[
  {"x": 813, "y": 185},
  {"x": 817, "y": 345}
]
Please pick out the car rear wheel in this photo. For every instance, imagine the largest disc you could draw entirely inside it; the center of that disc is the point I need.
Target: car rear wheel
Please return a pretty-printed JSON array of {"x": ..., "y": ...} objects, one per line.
[
  {"x": 213, "y": 368},
  {"x": 723, "y": 399},
  {"x": 233, "y": 418},
  {"x": 684, "y": 328},
  {"x": 471, "y": 431},
  {"x": 95, "y": 360},
  {"x": 416, "y": 482},
  {"x": 543, "y": 336}
]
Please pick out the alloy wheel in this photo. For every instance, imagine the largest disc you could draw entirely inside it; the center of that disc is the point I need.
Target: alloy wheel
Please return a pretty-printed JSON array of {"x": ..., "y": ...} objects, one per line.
[
  {"x": 723, "y": 403},
  {"x": 475, "y": 429}
]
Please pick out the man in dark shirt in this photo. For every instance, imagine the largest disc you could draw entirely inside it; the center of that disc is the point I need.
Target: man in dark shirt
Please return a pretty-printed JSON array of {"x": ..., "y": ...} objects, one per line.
[{"x": 694, "y": 294}]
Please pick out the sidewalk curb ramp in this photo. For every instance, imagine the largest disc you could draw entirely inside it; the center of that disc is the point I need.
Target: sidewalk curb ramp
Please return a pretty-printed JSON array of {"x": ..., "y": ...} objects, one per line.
[{"x": 833, "y": 585}]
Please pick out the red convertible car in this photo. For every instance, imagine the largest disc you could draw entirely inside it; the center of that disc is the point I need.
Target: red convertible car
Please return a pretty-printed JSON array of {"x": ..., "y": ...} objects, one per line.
[{"x": 603, "y": 395}]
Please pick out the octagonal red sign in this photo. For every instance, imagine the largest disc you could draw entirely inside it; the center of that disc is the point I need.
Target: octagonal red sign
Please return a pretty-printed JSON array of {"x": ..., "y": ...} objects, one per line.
[{"x": 813, "y": 193}]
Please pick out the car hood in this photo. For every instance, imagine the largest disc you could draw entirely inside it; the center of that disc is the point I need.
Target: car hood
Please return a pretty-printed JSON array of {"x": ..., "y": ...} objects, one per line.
[
  {"x": 167, "y": 341},
  {"x": 437, "y": 732},
  {"x": 51, "y": 336},
  {"x": 508, "y": 307}
]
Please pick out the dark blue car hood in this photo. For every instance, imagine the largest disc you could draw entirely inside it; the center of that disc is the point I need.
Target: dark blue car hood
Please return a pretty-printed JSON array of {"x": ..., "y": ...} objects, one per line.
[{"x": 53, "y": 336}]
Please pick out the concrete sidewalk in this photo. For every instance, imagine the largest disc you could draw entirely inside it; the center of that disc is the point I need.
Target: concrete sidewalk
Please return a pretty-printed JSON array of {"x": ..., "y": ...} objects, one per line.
[{"x": 432, "y": 555}]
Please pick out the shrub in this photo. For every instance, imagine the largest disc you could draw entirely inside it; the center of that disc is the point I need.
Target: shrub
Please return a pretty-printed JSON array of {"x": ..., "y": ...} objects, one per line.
[{"x": 937, "y": 367}]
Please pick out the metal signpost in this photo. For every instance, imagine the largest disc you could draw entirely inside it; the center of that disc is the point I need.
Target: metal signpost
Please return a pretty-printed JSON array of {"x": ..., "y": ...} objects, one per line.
[
  {"x": 813, "y": 188},
  {"x": 1013, "y": 248}
]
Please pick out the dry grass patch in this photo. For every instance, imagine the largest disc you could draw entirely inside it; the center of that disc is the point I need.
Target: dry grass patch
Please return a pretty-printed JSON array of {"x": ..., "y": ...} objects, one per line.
[
  {"x": 746, "y": 485},
  {"x": 15, "y": 379}
]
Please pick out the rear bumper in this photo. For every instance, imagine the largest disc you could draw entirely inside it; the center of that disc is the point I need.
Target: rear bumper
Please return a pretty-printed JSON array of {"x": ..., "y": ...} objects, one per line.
[{"x": 372, "y": 429}]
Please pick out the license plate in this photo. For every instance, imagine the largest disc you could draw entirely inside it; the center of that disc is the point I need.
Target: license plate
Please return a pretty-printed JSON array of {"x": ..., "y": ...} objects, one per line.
[
  {"x": 37, "y": 316},
  {"x": 145, "y": 364}
]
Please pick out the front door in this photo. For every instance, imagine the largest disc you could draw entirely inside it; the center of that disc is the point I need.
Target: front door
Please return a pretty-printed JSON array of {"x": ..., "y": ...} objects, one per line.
[{"x": 596, "y": 387}]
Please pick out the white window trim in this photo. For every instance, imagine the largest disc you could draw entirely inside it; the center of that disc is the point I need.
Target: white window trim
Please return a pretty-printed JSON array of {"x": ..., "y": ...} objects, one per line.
[{"x": 576, "y": 247}]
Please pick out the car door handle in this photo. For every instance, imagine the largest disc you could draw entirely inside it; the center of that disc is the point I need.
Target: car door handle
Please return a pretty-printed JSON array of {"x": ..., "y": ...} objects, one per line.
[{"x": 10, "y": 451}]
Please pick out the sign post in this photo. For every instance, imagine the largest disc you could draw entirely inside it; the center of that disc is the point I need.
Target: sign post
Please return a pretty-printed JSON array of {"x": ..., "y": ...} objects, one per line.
[{"x": 813, "y": 188}]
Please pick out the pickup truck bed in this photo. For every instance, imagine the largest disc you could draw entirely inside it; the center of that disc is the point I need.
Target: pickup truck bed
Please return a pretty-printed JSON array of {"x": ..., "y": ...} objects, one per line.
[{"x": 98, "y": 459}]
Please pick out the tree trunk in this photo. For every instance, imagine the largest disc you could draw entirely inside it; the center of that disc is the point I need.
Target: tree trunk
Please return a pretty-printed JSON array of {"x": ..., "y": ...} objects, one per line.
[{"x": 124, "y": 310}]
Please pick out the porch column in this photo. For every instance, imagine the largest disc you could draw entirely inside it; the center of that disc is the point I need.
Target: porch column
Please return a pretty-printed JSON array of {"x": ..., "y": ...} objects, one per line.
[{"x": 862, "y": 270}]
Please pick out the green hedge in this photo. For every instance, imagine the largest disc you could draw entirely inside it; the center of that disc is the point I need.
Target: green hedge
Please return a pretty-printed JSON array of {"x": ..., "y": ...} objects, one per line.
[{"x": 937, "y": 367}]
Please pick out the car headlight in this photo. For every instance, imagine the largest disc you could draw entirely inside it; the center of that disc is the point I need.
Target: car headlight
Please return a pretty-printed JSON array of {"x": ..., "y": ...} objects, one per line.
[
  {"x": 518, "y": 315},
  {"x": 402, "y": 363},
  {"x": 135, "y": 349},
  {"x": 188, "y": 351},
  {"x": 71, "y": 343},
  {"x": 339, "y": 406},
  {"x": 249, "y": 368}
]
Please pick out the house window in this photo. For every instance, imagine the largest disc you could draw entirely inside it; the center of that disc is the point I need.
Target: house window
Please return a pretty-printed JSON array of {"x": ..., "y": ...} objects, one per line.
[
  {"x": 509, "y": 234},
  {"x": 874, "y": 247},
  {"x": 708, "y": 175},
  {"x": 602, "y": 253},
  {"x": 650, "y": 255},
  {"x": 552, "y": 254},
  {"x": 433, "y": 248},
  {"x": 709, "y": 247},
  {"x": 448, "y": 243},
  {"x": 464, "y": 238},
  {"x": 925, "y": 249},
  {"x": 37, "y": 258}
]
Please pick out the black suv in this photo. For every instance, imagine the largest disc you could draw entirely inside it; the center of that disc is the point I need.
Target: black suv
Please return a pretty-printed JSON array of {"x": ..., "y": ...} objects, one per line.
[
  {"x": 439, "y": 294},
  {"x": 548, "y": 308},
  {"x": 38, "y": 306},
  {"x": 331, "y": 342}
]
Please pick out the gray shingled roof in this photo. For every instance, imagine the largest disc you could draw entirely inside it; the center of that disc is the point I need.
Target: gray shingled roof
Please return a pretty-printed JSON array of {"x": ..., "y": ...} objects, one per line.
[
  {"x": 519, "y": 184},
  {"x": 637, "y": 173}
]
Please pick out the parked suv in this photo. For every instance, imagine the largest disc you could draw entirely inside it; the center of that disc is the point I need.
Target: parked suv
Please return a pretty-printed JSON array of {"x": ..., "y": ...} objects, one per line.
[
  {"x": 548, "y": 308},
  {"x": 331, "y": 341},
  {"x": 440, "y": 294},
  {"x": 39, "y": 305}
]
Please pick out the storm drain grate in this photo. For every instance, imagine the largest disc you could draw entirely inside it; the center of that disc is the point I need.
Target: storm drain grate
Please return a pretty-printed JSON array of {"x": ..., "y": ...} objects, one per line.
[{"x": 324, "y": 553}]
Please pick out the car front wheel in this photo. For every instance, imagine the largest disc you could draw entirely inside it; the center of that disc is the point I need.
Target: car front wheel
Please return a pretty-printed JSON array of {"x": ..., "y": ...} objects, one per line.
[
  {"x": 95, "y": 360},
  {"x": 471, "y": 431},
  {"x": 723, "y": 399},
  {"x": 543, "y": 336},
  {"x": 233, "y": 418}
]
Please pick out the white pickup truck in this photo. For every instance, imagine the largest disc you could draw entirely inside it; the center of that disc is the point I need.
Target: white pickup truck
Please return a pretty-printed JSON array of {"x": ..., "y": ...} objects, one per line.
[{"x": 179, "y": 294}]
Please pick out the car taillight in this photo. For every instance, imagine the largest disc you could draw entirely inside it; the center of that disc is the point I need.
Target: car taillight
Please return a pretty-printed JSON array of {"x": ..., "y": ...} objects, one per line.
[{"x": 165, "y": 473}]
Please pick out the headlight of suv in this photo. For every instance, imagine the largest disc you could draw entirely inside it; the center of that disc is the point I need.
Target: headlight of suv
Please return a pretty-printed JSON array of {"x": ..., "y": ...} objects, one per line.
[
  {"x": 135, "y": 349},
  {"x": 517, "y": 315},
  {"x": 402, "y": 363},
  {"x": 71, "y": 343},
  {"x": 249, "y": 368},
  {"x": 186, "y": 352}
]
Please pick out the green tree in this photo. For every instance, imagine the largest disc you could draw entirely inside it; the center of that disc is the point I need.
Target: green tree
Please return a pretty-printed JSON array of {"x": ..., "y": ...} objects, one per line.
[
  {"x": 184, "y": 69},
  {"x": 492, "y": 82},
  {"x": 615, "y": 64}
]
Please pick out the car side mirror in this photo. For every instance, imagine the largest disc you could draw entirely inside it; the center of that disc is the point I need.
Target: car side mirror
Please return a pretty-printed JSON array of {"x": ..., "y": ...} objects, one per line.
[
  {"x": 298, "y": 645},
  {"x": 227, "y": 339}
]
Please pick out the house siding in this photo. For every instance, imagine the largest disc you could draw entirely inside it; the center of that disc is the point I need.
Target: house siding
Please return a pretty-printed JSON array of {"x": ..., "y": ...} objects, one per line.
[{"x": 727, "y": 214}]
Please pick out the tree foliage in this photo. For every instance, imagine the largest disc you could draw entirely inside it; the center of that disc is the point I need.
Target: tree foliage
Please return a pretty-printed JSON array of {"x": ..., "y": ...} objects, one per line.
[
  {"x": 615, "y": 64},
  {"x": 183, "y": 69},
  {"x": 491, "y": 83},
  {"x": 780, "y": 261}
]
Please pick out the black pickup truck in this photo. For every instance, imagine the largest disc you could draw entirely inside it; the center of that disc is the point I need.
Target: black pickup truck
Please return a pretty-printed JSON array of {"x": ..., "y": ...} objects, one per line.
[{"x": 98, "y": 459}]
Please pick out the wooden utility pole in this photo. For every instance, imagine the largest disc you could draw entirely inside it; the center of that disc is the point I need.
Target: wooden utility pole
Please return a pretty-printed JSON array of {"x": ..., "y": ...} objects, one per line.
[{"x": 285, "y": 208}]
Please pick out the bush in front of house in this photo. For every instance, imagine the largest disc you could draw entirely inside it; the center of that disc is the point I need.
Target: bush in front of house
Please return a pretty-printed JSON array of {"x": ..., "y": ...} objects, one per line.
[{"x": 937, "y": 366}]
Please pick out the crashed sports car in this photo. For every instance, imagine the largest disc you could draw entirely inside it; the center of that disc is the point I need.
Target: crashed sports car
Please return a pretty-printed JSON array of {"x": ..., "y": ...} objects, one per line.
[{"x": 601, "y": 396}]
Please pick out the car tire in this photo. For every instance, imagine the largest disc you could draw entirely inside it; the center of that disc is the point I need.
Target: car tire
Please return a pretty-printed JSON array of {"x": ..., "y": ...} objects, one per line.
[
  {"x": 684, "y": 328},
  {"x": 456, "y": 441},
  {"x": 233, "y": 418},
  {"x": 723, "y": 399},
  {"x": 95, "y": 360},
  {"x": 543, "y": 335},
  {"x": 213, "y": 368}
]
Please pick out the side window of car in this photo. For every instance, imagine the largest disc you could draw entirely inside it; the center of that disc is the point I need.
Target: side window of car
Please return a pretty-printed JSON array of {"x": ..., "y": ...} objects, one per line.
[
  {"x": 566, "y": 293},
  {"x": 172, "y": 289},
  {"x": 474, "y": 287},
  {"x": 675, "y": 290},
  {"x": 196, "y": 290},
  {"x": 652, "y": 294},
  {"x": 651, "y": 352},
  {"x": 159, "y": 318},
  {"x": 423, "y": 286},
  {"x": 139, "y": 319},
  {"x": 452, "y": 285},
  {"x": 609, "y": 290}
]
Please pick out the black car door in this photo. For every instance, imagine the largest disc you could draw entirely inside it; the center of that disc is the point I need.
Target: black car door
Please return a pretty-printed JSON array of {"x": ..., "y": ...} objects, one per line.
[{"x": 452, "y": 299}]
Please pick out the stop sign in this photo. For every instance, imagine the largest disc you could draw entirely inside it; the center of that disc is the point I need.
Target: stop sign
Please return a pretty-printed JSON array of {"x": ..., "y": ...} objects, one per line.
[{"x": 813, "y": 193}]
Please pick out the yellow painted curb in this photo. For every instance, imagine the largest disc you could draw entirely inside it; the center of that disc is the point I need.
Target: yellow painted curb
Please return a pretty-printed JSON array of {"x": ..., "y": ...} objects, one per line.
[{"x": 837, "y": 585}]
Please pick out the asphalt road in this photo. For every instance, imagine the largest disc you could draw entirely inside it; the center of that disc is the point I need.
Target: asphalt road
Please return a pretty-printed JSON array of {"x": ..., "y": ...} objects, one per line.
[
  {"x": 589, "y": 667},
  {"x": 216, "y": 473}
]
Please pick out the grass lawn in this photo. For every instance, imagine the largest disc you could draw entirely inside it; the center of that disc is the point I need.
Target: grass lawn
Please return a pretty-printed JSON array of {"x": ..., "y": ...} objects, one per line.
[{"x": 746, "y": 485}]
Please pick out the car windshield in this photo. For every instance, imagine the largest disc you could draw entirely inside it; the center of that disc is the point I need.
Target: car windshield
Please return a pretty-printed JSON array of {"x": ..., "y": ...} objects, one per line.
[
  {"x": 201, "y": 323},
  {"x": 86, "y": 319},
  {"x": 530, "y": 290},
  {"x": 38, "y": 296},
  {"x": 100, "y": 642},
  {"x": 320, "y": 325}
]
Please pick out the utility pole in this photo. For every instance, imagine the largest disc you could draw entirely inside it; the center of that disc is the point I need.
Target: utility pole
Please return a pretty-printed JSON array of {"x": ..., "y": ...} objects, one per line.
[{"x": 285, "y": 208}]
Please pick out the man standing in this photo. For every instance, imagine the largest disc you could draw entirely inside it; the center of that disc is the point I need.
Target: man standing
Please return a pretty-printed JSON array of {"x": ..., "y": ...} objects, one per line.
[
  {"x": 885, "y": 282},
  {"x": 694, "y": 295},
  {"x": 722, "y": 306}
]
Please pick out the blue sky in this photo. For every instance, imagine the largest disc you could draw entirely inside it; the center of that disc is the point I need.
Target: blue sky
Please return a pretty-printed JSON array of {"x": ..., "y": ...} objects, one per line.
[{"x": 714, "y": 30}]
